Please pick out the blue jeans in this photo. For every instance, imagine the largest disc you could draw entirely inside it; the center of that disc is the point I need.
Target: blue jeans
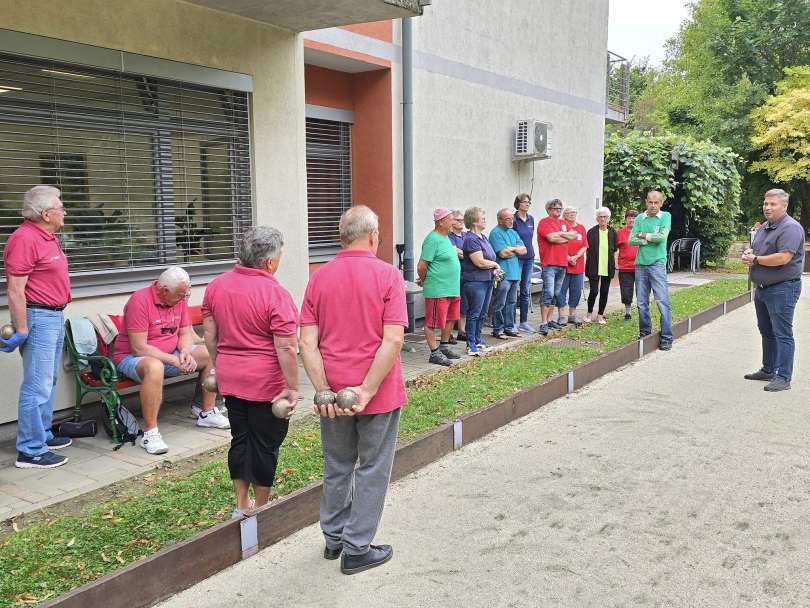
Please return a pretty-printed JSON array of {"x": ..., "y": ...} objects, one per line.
[
  {"x": 503, "y": 308},
  {"x": 653, "y": 277},
  {"x": 41, "y": 354},
  {"x": 525, "y": 287},
  {"x": 571, "y": 290},
  {"x": 552, "y": 283},
  {"x": 478, "y": 295},
  {"x": 775, "y": 305}
]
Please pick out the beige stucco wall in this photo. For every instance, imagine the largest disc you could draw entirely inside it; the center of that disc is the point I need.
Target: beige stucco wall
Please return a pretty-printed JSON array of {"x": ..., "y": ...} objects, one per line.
[{"x": 184, "y": 32}]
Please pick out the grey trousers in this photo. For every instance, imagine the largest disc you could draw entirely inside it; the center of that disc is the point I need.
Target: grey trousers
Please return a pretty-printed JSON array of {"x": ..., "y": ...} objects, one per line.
[{"x": 353, "y": 497}]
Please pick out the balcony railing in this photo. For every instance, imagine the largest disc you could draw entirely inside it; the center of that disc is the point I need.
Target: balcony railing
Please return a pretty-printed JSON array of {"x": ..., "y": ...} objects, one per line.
[{"x": 617, "y": 100}]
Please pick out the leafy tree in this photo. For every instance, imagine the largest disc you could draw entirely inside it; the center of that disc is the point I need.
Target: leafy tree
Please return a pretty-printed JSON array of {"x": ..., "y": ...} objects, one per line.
[
  {"x": 699, "y": 179},
  {"x": 782, "y": 134}
]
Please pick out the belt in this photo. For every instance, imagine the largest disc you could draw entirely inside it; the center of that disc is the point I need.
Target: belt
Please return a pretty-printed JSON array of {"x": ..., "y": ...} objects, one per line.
[
  {"x": 44, "y": 306},
  {"x": 761, "y": 286}
]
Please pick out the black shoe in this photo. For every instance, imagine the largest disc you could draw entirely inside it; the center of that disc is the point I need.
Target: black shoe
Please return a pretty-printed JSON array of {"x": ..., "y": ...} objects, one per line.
[
  {"x": 377, "y": 555},
  {"x": 543, "y": 330},
  {"x": 448, "y": 352},
  {"x": 499, "y": 336},
  {"x": 777, "y": 384},
  {"x": 511, "y": 334},
  {"x": 665, "y": 346},
  {"x": 332, "y": 553},
  {"x": 461, "y": 336},
  {"x": 452, "y": 340},
  {"x": 439, "y": 358},
  {"x": 555, "y": 325},
  {"x": 48, "y": 460},
  {"x": 759, "y": 375},
  {"x": 57, "y": 443},
  {"x": 627, "y": 316}
]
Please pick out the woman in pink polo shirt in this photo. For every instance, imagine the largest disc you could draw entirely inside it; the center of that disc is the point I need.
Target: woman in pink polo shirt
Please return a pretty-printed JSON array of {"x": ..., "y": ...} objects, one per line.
[
  {"x": 38, "y": 290},
  {"x": 251, "y": 326}
]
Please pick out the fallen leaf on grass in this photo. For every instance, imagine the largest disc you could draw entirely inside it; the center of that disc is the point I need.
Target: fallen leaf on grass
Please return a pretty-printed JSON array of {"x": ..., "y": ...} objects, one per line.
[
  {"x": 26, "y": 598},
  {"x": 109, "y": 515},
  {"x": 15, "y": 527},
  {"x": 104, "y": 557},
  {"x": 119, "y": 558},
  {"x": 71, "y": 542}
]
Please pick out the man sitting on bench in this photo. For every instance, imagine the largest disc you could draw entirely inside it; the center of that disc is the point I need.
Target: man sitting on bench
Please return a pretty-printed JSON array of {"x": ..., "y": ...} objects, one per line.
[{"x": 156, "y": 342}]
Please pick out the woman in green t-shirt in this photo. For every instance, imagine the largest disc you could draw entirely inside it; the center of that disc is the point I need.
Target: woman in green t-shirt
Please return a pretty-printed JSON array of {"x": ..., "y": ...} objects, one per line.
[{"x": 600, "y": 265}]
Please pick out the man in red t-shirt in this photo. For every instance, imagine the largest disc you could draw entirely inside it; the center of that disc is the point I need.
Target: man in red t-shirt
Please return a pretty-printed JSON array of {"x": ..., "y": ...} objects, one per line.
[
  {"x": 626, "y": 262},
  {"x": 353, "y": 321},
  {"x": 553, "y": 234}
]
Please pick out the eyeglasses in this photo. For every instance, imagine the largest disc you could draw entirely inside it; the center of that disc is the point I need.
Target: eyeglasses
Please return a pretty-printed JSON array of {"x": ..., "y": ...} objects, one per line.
[{"x": 555, "y": 208}]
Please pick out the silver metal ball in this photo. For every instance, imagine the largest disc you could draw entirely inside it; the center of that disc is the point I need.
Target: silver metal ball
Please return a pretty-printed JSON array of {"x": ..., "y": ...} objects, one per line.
[
  {"x": 7, "y": 331},
  {"x": 324, "y": 397},
  {"x": 346, "y": 398},
  {"x": 281, "y": 407}
]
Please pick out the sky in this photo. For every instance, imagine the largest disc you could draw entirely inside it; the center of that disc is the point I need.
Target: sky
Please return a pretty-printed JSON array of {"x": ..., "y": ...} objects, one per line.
[{"x": 640, "y": 28}]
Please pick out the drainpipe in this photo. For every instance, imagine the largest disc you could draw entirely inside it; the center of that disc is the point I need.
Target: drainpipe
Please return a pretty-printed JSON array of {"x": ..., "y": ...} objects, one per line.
[{"x": 407, "y": 156}]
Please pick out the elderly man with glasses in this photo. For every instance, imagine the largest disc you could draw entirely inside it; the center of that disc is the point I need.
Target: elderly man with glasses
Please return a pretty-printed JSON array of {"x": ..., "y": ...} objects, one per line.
[
  {"x": 38, "y": 291},
  {"x": 553, "y": 234},
  {"x": 157, "y": 342}
]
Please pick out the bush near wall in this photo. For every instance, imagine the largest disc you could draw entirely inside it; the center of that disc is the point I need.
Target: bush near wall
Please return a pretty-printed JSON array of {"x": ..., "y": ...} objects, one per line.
[{"x": 699, "y": 179}]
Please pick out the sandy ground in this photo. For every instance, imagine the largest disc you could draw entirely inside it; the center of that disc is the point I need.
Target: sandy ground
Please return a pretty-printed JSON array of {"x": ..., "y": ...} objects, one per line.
[{"x": 673, "y": 482}]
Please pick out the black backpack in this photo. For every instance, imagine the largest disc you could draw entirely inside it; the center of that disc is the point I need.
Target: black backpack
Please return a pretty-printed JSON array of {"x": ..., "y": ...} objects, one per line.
[{"x": 126, "y": 424}]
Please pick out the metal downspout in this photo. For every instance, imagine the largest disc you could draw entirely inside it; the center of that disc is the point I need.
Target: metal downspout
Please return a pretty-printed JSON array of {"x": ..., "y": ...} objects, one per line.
[{"x": 407, "y": 157}]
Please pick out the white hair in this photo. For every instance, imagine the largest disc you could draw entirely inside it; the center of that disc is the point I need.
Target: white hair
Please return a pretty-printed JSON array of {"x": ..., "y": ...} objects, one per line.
[
  {"x": 569, "y": 209},
  {"x": 602, "y": 211},
  {"x": 778, "y": 193},
  {"x": 172, "y": 277},
  {"x": 356, "y": 222},
  {"x": 37, "y": 200}
]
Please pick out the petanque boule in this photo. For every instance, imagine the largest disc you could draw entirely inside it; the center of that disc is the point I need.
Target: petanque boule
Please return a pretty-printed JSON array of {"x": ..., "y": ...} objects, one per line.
[
  {"x": 346, "y": 398},
  {"x": 210, "y": 382},
  {"x": 7, "y": 331},
  {"x": 281, "y": 407},
  {"x": 324, "y": 397}
]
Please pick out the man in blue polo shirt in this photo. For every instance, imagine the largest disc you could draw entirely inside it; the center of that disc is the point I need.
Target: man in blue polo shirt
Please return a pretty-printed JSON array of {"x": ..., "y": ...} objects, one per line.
[
  {"x": 508, "y": 246},
  {"x": 775, "y": 260}
]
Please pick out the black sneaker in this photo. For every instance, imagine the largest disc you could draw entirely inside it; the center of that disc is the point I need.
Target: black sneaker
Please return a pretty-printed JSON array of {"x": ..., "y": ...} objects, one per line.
[
  {"x": 499, "y": 336},
  {"x": 759, "y": 375},
  {"x": 377, "y": 555},
  {"x": 48, "y": 460},
  {"x": 665, "y": 346},
  {"x": 627, "y": 316},
  {"x": 448, "y": 352},
  {"x": 452, "y": 340},
  {"x": 555, "y": 325},
  {"x": 543, "y": 330},
  {"x": 511, "y": 334},
  {"x": 777, "y": 384},
  {"x": 439, "y": 358},
  {"x": 461, "y": 336},
  {"x": 332, "y": 553},
  {"x": 57, "y": 443}
]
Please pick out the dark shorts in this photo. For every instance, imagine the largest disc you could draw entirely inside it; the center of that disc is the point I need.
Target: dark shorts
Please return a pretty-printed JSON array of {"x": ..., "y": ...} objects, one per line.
[
  {"x": 255, "y": 439},
  {"x": 438, "y": 311}
]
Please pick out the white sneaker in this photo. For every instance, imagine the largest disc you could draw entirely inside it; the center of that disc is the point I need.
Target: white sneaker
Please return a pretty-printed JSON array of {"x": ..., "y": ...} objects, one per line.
[
  {"x": 601, "y": 320},
  {"x": 153, "y": 443},
  {"x": 237, "y": 513},
  {"x": 220, "y": 404},
  {"x": 213, "y": 420}
]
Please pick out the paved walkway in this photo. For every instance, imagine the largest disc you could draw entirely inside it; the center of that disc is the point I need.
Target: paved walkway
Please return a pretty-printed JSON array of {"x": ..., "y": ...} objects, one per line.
[
  {"x": 93, "y": 464},
  {"x": 672, "y": 482}
]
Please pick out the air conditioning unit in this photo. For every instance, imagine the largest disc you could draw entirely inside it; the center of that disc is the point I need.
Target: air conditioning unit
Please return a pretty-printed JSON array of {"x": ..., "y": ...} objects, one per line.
[{"x": 532, "y": 140}]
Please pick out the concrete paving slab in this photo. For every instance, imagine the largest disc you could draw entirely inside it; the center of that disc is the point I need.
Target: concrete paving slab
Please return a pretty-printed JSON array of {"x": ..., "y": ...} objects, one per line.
[{"x": 673, "y": 482}]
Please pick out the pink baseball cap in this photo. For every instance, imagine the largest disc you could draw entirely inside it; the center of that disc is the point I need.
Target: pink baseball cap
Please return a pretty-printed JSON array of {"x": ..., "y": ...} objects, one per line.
[{"x": 441, "y": 213}]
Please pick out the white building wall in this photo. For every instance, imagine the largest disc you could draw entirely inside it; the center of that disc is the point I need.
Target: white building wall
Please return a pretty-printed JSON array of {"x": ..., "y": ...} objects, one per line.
[{"x": 481, "y": 66}]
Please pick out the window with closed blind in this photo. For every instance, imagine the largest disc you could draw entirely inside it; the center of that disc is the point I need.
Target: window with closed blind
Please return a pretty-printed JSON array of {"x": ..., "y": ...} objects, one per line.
[
  {"x": 152, "y": 171},
  {"x": 329, "y": 184}
]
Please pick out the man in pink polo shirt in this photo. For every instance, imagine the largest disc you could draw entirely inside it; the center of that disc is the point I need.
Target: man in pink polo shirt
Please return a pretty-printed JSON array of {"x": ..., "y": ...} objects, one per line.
[
  {"x": 156, "y": 342},
  {"x": 38, "y": 290},
  {"x": 353, "y": 321}
]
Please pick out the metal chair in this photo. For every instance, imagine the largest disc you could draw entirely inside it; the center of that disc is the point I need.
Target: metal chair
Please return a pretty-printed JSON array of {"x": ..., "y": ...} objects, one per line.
[{"x": 681, "y": 248}]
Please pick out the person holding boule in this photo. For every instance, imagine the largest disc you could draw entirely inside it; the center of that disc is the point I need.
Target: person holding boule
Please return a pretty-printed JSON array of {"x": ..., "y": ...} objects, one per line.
[
  {"x": 250, "y": 326},
  {"x": 360, "y": 352}
]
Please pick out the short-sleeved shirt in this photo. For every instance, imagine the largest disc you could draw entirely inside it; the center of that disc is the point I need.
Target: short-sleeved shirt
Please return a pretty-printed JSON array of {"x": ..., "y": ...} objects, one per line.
[
  {"x": 250, "y": 307},
  {"x": 473, "y": 243},
  {"x": 444, "y": 271},
  {"x": 784, "y": 235},
  {"x": 552, "y": 254},
  {"x": 574, "y": 247},
  {"x": 33, "y": 252},
  {"x": 350, "y": 299},
  {"x": 627, "y": 252},
  {"x": 143, "y": 312},
  {"x": 501, "y": 238},
  {"x": 526, "y": 232},
  {"x": 457, "y": 239}
]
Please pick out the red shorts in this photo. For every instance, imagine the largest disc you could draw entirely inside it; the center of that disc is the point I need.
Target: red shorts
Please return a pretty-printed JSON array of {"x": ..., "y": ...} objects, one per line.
[{"x": 438, "y": 311}]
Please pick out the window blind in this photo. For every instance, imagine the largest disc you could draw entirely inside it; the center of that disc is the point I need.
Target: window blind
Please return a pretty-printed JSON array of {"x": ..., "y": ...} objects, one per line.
[{"x": 152, "y": 171}]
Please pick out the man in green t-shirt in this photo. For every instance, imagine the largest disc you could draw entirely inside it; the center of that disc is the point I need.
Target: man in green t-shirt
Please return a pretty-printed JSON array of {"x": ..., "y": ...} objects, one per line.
[
  {"x": 439, "y": 274},
  {"x": 649, "y": 234}
]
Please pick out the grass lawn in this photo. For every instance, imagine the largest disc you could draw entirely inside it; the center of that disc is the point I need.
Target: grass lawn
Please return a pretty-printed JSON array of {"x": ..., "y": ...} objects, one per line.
[{"x": 52, "y": 557}]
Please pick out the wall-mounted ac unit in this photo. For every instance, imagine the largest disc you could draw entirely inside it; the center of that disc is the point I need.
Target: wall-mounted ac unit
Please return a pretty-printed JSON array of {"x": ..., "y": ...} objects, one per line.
[{"x": 532, "y": 140}]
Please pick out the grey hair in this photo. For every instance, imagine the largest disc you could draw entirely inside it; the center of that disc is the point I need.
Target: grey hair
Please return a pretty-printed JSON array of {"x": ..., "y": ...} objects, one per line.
[
  {"x": 778, "y": 193},
  {"x": 472, "y": 215},
  {"x": 37, "y": 200},
  {"x": 602, "y": 210},
  {"x": 172, "y": 277},
  {"x": 552, "y": 202},
  {"x": 356, "y": 222},
  {"x": 567, "y": 209},
  {"x": 259, "y": 244},
  {"x": 456, "y": 212}
]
